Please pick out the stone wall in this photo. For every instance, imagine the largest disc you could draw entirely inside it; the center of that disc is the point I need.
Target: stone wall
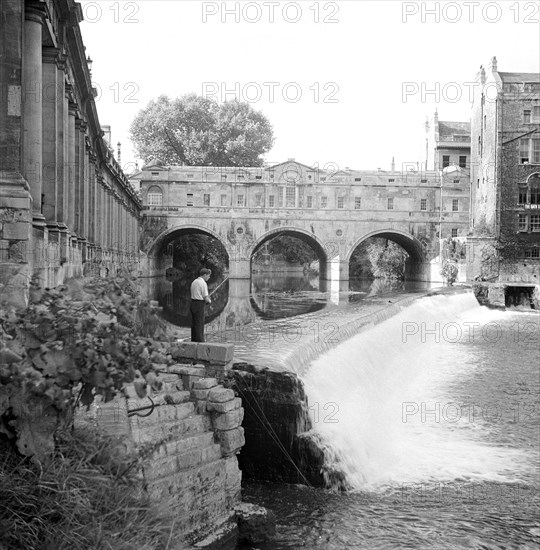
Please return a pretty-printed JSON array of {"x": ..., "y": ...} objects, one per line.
[{"x": 191, "y": 432}]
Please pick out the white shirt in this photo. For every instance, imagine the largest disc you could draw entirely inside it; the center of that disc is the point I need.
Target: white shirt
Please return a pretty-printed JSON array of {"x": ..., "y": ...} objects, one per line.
[{"x": 199, "y": 289}]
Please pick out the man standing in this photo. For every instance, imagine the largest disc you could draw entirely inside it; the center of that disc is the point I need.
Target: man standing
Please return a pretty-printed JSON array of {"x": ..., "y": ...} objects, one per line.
[{"x": 199, "y": 297}]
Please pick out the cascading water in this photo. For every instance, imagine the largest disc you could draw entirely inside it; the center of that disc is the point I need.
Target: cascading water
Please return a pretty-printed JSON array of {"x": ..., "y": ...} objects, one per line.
[{"x": 383, "y": 405}]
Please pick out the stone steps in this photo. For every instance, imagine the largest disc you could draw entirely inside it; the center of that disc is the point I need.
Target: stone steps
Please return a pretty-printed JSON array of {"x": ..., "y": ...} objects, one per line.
[
  {"x": 154, "y": 432},
  {"x": 175, "y": 464}
]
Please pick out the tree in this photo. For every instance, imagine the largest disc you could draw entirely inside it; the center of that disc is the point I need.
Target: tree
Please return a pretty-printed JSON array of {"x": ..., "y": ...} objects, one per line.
[
  {"x": 191, "y": 252},
  {"x": 199, "y": 131},
  {"x": 387, "y": 260}
]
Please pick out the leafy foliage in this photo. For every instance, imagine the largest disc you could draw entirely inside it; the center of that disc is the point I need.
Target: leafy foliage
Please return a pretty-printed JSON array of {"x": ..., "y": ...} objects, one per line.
[
  {"x": 199, "y": 131},
  {"x": 71, "y": 344},
  {"x": 450, "y": 272},
  {"x": 387, "y": 260},
  {"x": 290, "y": 249}
]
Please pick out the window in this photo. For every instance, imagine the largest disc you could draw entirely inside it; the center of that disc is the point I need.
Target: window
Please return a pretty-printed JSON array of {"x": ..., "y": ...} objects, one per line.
[
  {"x": 223, "y": 200},
  {"x": 155, "y": 174},
  {"x": 535, "y": 222},
  {"x": 534, "y": 190},
  {"x": 309, "y": 177},
  {"x": 423, "y": 204},
  {"x": 223, "y": 177},
  {"x": 390, "y": 203},
  {"x": 522, "y": 222},
  {"x": 189, "y": 201},
  {"x": 310, "y": 202},
  {"x": 357, "y": 179},
  {"x": 445, "y": 161},
  {"x": 357, "y": 203},
  {"x": 522, "y": 195},
  {"x": 454, "y": 232},
  {"x": 527, "y": 116},
  {"x": 423, "y": 181},
  {"x": 324, "y": 202},
  {"x": 190, "y": 176},
  {"x": 340, "y": 202},
  {"x": 206, "y": 199},
  {"x": 536, "y": 150},
  {"x": 271, "y": 201},
  {"x": 240, "y": 177},
  {"x": 391, "y": 180},
  {"x": 463, "y": 162},
  {"x": 240, "y": 200},
  {"x": 523, "y": 151},
  {"x": 536, "y": 114},
  {"x": 535, "y": 252},
  {"x": 290, "y": 197},
  {"x": 455, "y": 205},
  {"x": 155, "y": 196},
  {"x": 258, "y": 177}
]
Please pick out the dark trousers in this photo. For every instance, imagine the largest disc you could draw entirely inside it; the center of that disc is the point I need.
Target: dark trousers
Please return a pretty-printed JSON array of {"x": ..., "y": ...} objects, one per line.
[{"x": 197, "y": 320}]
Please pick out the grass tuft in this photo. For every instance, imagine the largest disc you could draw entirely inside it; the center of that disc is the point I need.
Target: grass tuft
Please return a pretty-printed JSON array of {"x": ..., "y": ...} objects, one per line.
[{"x": 84, "y": 498}]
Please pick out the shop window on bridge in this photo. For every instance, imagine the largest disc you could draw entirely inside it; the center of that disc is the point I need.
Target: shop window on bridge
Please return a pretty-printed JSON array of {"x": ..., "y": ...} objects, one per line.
[
  {"x": 455, "y": 205},
  {"x": 271, "y": 201},
  {"x": 223, "y": 200},
  {"x": 522, "y": 222},
  {"x": 223, "y": 177},
  {"x": 446, "y": 161},
  {"x": 423, "y": 204},
  {"x": 454, "y": 232},
  {"x": 340, "y": 202},
  {"x": 310, "y": 202},
  {"x": 535, "y": 223},
  {"x": 240, "y": 200},
  {"x": 155, "y": 196},
  {"x": 324, "y": 202},
  {"x": 527, "y": 116},
  {"x": 463, "y": 162},
  {"x": 189, "y": 199},
  {"x": 206, "y": 199},
  {"x": 357, "y": 203},
  {"x": 390, "y": 205}
]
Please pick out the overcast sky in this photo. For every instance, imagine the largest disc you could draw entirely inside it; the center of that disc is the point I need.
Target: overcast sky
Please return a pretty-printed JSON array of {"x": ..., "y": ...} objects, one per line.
[{"x": 347, "y": 82}]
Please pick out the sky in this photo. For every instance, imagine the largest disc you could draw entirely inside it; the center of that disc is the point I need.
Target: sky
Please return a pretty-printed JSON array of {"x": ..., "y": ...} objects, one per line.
[{"x": 344, "y": 84}]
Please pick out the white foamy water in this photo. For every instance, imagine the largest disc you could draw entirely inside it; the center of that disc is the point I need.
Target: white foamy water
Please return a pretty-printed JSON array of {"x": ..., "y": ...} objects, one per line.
[{"x": 367, "y": 396}]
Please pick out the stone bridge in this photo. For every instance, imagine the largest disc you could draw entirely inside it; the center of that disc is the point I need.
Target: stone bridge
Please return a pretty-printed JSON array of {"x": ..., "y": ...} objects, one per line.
[{"x": 332, "y": 213}]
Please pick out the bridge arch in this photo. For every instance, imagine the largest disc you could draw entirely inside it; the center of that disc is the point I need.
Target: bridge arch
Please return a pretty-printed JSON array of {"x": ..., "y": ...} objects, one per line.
[
  {"x": 417, "y": 267},
  {"x": 154, "y": 246},
  {"x": 317, "y": 245}
]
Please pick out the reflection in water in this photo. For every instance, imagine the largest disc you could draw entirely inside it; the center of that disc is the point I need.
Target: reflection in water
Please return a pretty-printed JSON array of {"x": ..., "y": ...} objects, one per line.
[{"x": 268, "y": 297}]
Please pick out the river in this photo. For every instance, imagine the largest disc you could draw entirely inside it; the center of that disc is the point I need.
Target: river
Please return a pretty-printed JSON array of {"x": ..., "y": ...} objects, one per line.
[{"x": 432, "y": 415}]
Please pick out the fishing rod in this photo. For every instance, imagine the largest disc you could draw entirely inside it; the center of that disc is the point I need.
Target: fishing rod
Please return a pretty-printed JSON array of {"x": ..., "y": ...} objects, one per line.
[{"x": 226, "y": 279}]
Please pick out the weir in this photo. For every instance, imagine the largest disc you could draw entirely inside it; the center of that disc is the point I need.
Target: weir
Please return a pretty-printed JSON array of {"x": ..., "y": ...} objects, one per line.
[{"x": 353, "y": 415}]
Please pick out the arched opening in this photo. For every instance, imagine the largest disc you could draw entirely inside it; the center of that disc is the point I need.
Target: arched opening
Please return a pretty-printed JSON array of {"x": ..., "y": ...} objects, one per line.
[
  {"x": 154, "y": 196},
  {"x": 287, "y": 266},
  {"x": 179, "y": 256},
  {"x": 386, "y": 259}
]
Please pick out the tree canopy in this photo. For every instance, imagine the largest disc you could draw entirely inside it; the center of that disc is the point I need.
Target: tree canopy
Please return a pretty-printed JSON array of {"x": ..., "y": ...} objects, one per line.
[{"x": 199, "y": 131}]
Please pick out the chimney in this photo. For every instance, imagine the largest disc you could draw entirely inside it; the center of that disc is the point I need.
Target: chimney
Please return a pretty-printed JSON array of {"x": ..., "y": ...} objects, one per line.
[
  {"x": 436, "y": 117},
  {"x": 119, "y": 153},
  {"x": 393, "y": 165},
  {"x": 493, "y": 65}
]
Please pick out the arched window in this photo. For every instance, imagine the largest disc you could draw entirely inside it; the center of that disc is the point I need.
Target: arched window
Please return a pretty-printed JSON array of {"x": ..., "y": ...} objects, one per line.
[
  {"x": 155, "y": 196},
  {"x": 534, "y": 188}
]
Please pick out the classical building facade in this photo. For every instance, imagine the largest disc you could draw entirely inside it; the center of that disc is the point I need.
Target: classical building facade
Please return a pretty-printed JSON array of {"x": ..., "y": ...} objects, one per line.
[
  {"x": 65, "y": 204},
  {"x": 333, "y": 211},
  {"x": 505, "y": 176},
  {"x": 448, "y": 144}
]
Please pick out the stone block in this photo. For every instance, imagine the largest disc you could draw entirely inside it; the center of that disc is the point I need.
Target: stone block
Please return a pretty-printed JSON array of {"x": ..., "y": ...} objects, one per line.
[
  {"x": 256, "y": 524},
  {"x": 231, "y": 441},
  {"x": 215, "y": 353},
  {"x": 194, "y": 370},
  {"x": 201, "y": 407},
  {"x": 228, "y": 406},
  {"x": 16, "y": 231},
  {"x": 229, "y": 420},
  {"x": 206, "y": 383},
  {"x": 220, "y": 394},
  {"x": 14, "y": 202},
  {"x": 199, "y": 394},
  {"x": 177, "y": 397},
  {"x": 184, "y": 350}
]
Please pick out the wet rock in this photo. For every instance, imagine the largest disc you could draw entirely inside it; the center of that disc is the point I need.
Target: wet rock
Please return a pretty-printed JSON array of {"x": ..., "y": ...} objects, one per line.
[{"x": 256, "y": 524}]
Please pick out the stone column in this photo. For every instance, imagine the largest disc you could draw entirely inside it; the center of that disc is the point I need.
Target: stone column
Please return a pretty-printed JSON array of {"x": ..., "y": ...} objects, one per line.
[
  {"x": 53, "y": 100},
  {"x": 32, "y": 109},
  {"x": 71, "y": 165}
]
